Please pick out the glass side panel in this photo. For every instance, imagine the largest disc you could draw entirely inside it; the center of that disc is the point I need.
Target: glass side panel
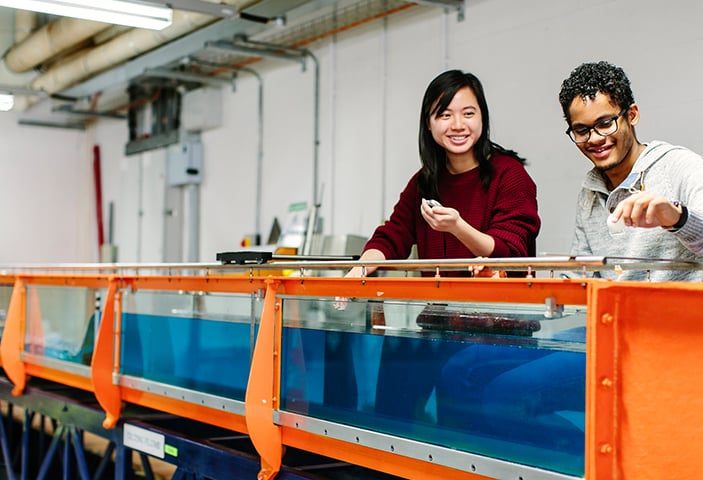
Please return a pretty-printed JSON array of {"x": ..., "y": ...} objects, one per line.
[
  {"x": 61, "y": 322},
  {"x": 199, "y": 342},
  {"x": 5, "y": 294},
  {"x": 497, "y": 380}
]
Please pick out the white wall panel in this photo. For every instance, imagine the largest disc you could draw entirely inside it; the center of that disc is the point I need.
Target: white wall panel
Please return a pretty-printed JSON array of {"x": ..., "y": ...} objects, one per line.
[
  {"x": 520, "y": 50},
  {"x": 371, "y": 89},
  {"x": 46, "y": 195},
  {"x": 228, "y": 190},
  {"x": 288, "y": 140},
  {"x": 415, "y": 55},
  {"x": 358, "y": 152}
]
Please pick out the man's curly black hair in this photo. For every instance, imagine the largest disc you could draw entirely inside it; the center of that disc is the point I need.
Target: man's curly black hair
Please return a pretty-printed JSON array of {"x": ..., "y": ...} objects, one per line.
[{"x": 590, "y": 78}]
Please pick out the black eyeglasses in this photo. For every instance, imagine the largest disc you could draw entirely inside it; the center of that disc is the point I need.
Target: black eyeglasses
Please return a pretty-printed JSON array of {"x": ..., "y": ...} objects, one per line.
[{"x": 603, "y": 127}]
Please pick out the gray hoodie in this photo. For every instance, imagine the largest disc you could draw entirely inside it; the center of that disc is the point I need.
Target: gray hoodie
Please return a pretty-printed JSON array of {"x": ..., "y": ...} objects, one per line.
[{"x": 668, "y": 170}]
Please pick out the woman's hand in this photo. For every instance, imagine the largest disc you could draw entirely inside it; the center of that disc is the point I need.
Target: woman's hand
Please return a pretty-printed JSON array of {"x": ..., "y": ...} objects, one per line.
[
  {"x": 441, "y": 219},
  {"x": 340, "y": 303},
  {"x": 445, "y": 219},
  {"x": 482, "y": 271}
]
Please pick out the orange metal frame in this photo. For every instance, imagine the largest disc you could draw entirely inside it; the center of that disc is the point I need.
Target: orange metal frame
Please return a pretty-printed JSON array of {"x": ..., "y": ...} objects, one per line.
[
  {"x": 643, "y": 381},
  {"x": 644, "y": 393},
  {"x": 106, "y": 352}
]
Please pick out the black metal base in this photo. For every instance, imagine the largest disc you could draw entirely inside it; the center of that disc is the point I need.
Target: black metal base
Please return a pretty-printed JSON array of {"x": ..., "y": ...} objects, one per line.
[{"x": 198, "y": 451}]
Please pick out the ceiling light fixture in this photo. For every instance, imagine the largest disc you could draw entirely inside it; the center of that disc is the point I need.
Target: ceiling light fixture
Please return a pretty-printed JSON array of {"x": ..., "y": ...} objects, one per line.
[
  {"x": 119, "y": 12},
  {"x": 7, "y": 101}
]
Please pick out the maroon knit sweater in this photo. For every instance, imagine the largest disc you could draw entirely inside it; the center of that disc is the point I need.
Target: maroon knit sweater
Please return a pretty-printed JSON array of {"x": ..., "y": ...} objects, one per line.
[{"x": 506, "y": 210}]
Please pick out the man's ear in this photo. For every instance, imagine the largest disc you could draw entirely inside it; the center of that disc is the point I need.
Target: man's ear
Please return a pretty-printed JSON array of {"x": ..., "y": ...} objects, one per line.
[{"x": 633, "y": 114}]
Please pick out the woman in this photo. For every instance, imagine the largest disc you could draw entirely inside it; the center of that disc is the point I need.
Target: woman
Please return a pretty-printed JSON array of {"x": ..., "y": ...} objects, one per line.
[
  {"x": 485, "y": 202},
  {"x": 471, "y": 198}
]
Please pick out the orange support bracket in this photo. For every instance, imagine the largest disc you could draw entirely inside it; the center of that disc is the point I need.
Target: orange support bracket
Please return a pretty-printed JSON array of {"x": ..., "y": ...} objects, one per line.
[
  {"x": 103, "y": 362},
  {"x": 12, "y": 343},
  {"x": 259, "y": 399},
  {"x": 644, "y": 404}
]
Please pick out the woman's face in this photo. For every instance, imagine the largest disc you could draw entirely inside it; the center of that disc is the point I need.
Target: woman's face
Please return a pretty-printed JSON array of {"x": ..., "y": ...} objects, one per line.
[{"x": 458, "y": 128}]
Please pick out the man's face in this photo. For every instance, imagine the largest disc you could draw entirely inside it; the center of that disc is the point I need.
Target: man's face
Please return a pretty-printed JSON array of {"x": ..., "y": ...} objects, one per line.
[{"x": 611, "y": 152}]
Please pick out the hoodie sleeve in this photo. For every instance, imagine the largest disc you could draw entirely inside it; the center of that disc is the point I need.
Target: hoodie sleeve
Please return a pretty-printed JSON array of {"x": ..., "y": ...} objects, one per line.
[{"x": 686, "y": 176}]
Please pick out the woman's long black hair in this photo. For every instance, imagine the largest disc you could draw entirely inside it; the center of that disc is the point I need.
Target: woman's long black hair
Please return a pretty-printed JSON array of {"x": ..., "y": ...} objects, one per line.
[{"x": 438, "y": 96}]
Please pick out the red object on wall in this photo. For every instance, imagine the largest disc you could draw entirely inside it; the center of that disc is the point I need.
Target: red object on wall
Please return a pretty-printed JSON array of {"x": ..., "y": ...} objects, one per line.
[{"x": 97, "y": 178}]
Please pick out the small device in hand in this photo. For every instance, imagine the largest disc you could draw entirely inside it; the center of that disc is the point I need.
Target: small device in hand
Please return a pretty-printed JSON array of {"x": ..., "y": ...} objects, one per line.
[
  {"x": 433, "y": 203},
  {"x": 615, "y": 227}
]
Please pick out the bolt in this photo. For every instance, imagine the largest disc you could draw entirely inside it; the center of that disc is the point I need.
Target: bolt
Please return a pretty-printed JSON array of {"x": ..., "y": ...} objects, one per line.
[
  {"x": 606, "y": 448},
  {"x": 606, "y": 319},
  {"x": 606, "y": 382}
]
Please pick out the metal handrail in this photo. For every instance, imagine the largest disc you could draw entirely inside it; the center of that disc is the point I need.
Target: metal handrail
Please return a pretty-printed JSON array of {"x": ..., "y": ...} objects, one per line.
[{"x": 545, "y": 263}]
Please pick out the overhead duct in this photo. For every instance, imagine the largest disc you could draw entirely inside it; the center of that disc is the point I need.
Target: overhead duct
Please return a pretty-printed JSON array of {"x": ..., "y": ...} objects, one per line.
[
  {"x": 130, "y": 44},
  {"x": 51, "y": 39},
  {"x": 117, "y": 50}
]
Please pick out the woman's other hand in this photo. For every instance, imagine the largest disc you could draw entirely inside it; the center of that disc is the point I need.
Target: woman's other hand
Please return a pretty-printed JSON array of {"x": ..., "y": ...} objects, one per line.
[{"x": 441, "y": 219}]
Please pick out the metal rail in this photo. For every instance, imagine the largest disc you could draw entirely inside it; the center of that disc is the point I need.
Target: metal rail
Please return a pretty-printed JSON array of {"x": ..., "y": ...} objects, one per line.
[{"x": 547, "y": 263}]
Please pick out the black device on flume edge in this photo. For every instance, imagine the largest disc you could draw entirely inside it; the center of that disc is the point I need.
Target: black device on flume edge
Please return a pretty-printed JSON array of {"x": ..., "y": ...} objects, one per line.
[{"x": 249, "y": 257}]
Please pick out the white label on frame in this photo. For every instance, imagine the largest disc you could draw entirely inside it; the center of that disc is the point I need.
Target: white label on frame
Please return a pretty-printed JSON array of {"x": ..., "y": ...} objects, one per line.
[{"x": 144, "y": 440}]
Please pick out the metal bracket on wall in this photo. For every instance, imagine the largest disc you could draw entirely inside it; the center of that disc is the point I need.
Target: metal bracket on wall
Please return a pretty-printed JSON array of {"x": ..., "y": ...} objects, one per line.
[
  {"x": 458, "y": 5},
  {"x": 48, "y": 124},
  {"x": 243, "y": 45},
  {"x": 186, "y": 77},
  {"x": 68, "y": 108}
]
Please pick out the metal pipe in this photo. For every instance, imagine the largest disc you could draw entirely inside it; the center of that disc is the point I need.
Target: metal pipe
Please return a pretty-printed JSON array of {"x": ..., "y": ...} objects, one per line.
[
  {"x": 522, "y": 263},
  {"x": 4, "y": 445},
  {"x": 191, "y": 221},
  {"x": 46, "y": 463},
  {"x": 107, "y": 457},
  {"x": 66, "y": 455},
  {"x": 260, "y": 139},
  {"x": 79, "y": 454},
  {"x": 259, "y": 148},
  {"x": 384, "y": 116},
  {"x": 316, "y": 152},
  {"x": 333, "y": 130},
  {"x": 243, "y": 45},
  {"x": 24, "y": 459}
]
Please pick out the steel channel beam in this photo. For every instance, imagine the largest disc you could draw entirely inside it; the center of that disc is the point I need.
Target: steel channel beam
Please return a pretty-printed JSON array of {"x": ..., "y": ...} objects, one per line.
[{"x": 210, "y": 461}]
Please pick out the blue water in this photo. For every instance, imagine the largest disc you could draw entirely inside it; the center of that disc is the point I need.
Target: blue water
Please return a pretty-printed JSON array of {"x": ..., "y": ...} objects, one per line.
[
  {"x": 517, "y": 399},
  {"x": 54, "y": 347},
  {"x": 204, "y": 355}
]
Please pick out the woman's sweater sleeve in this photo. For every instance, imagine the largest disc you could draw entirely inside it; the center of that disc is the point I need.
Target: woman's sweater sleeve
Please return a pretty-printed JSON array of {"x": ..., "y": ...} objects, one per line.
[
  {"x": 396, "y": 236},
  {"x": 514, "y": 223}
]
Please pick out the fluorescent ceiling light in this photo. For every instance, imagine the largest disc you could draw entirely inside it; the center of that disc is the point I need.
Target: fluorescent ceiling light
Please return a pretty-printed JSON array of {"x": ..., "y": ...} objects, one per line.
[
  {"x": 120, "y": 12},
  {"x": 7, "y": 101}
]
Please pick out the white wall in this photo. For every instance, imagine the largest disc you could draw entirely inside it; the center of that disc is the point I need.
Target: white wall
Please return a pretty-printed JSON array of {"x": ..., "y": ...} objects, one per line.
[
  {"x": 373, "y": 78},
  {"x": 46, "y": 195}
]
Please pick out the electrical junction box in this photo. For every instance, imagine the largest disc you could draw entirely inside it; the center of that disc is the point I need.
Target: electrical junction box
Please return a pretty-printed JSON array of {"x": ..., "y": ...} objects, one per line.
[
  {"x": 201, "y": 109},
  {"x": 184, "y": 162}
]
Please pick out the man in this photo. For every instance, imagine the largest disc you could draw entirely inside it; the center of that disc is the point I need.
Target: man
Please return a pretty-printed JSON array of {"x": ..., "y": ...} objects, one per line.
[{"x": 654, "y": 188}]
